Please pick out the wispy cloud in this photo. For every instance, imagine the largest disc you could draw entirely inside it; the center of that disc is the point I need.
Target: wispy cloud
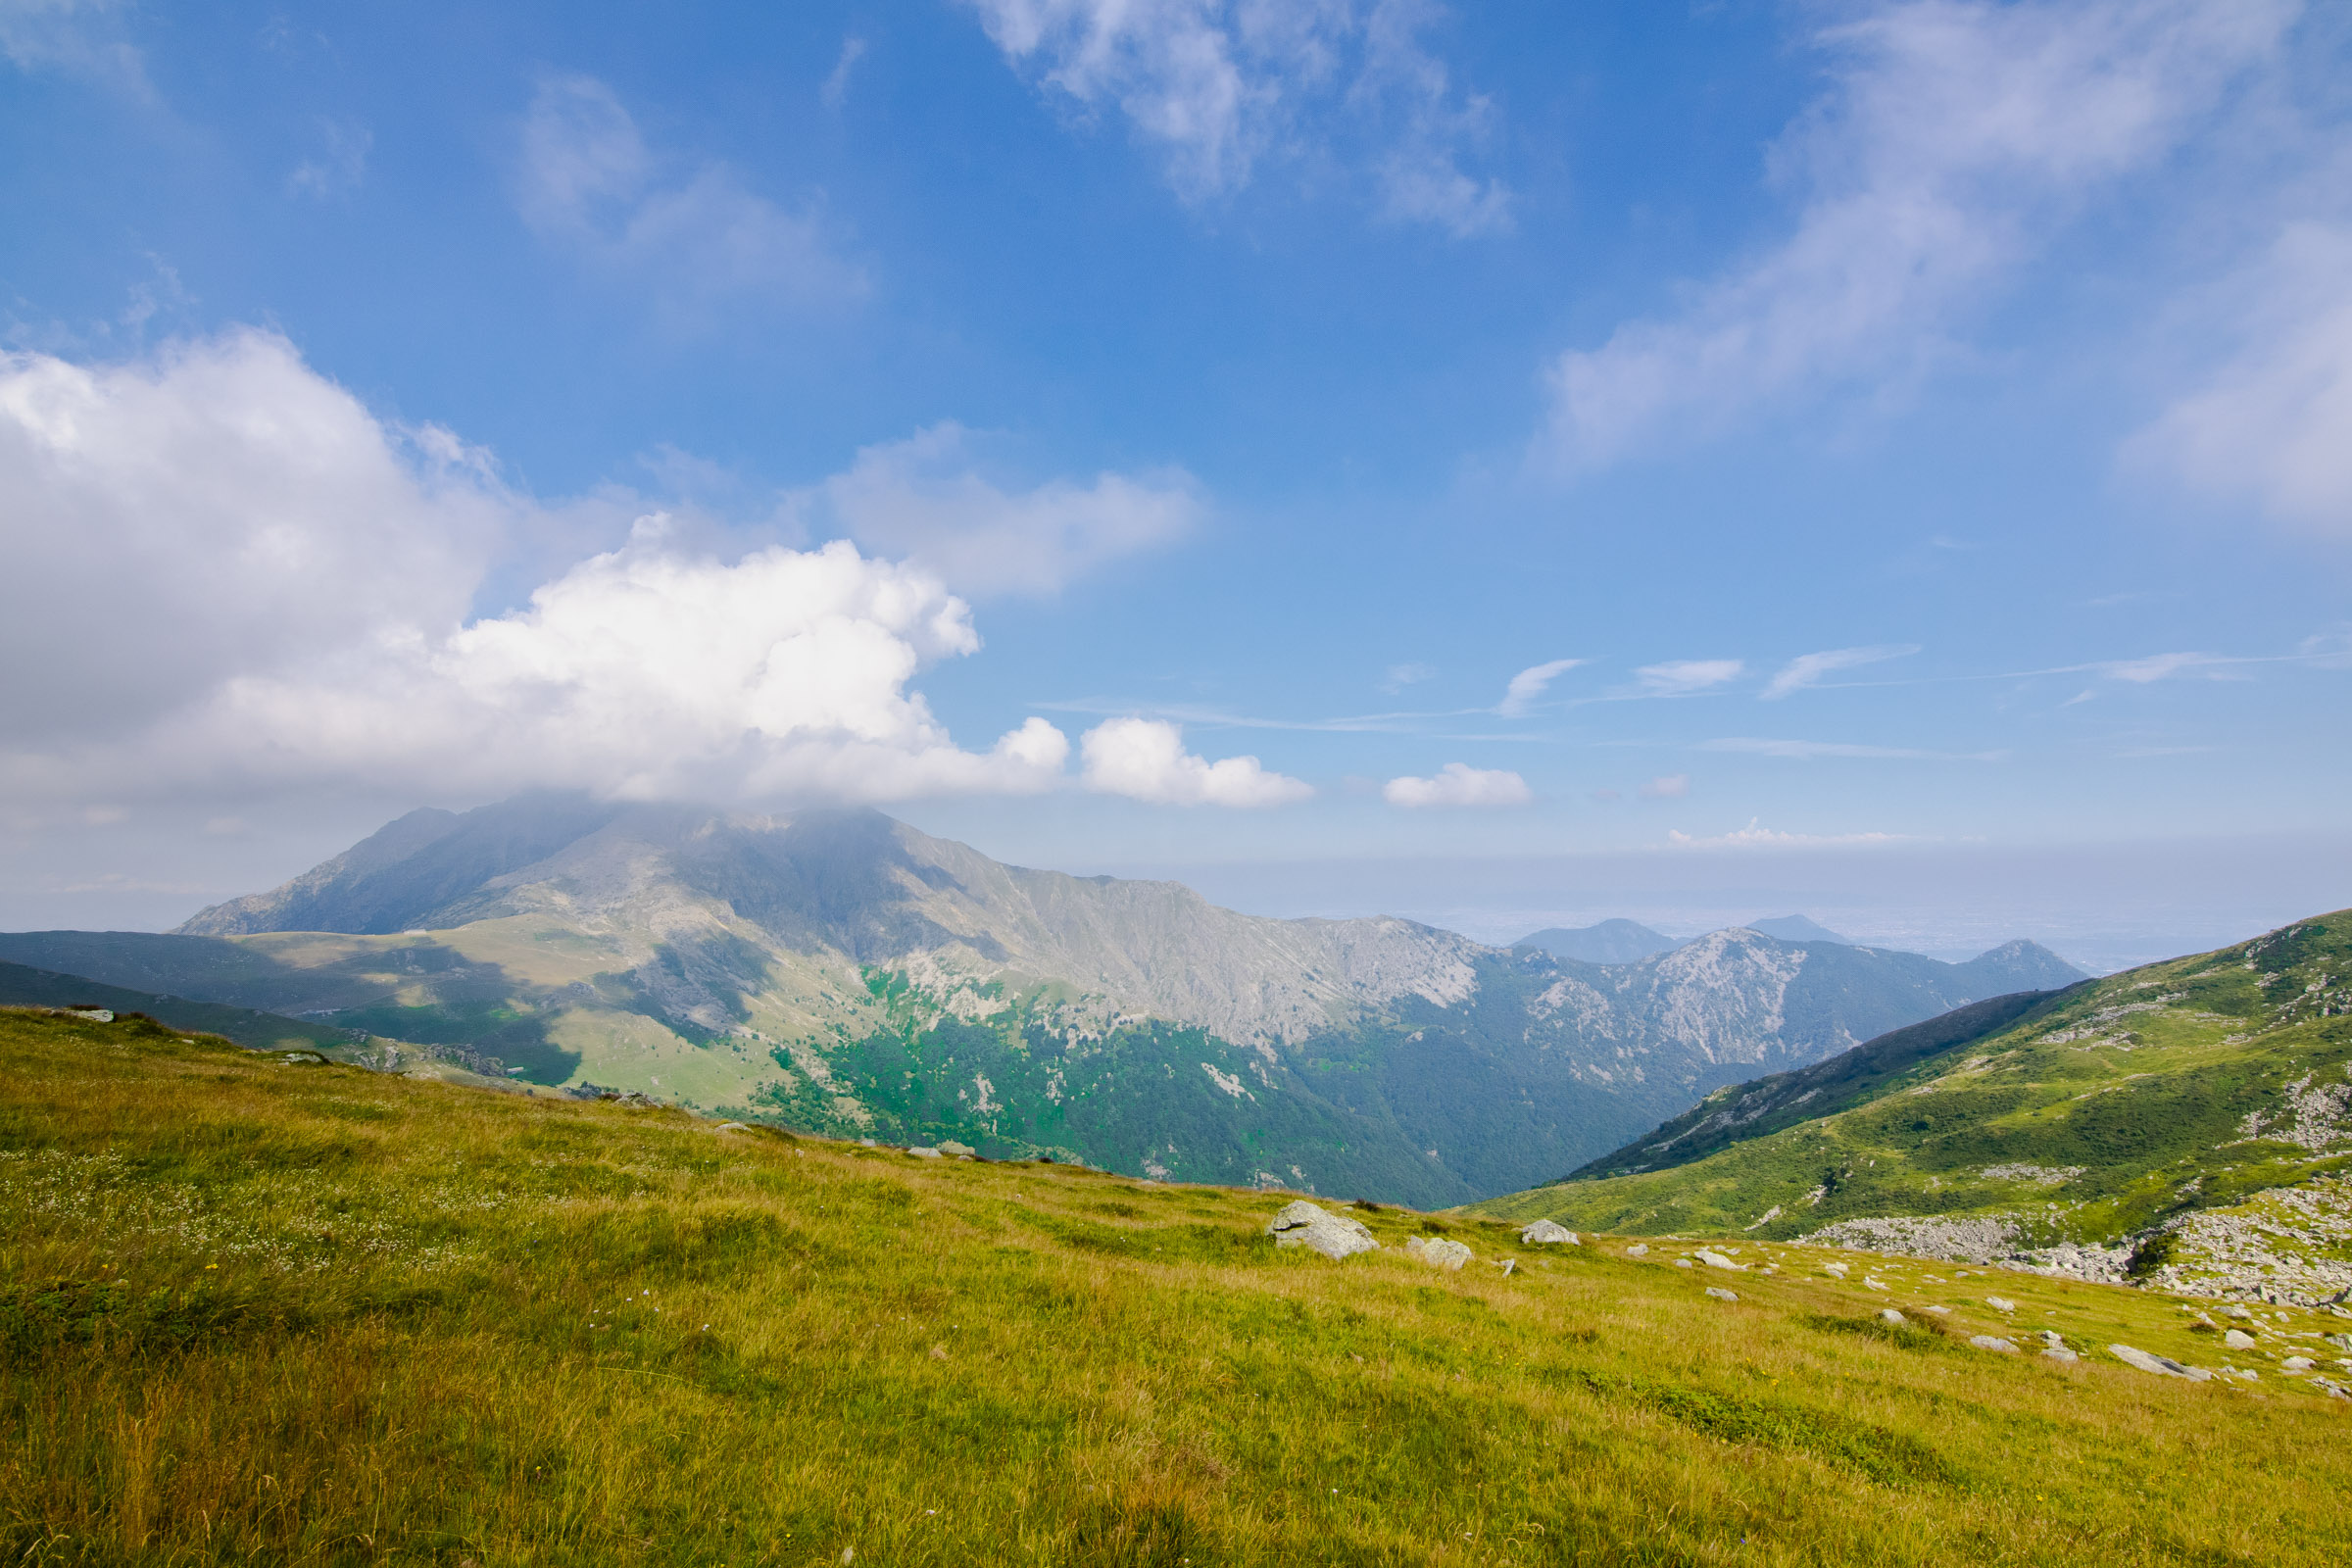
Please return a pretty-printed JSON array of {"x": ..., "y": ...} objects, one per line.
[
  {"x": 1807, "y": 669},
  {"x": 338, "y": 167},
  {"x": 1530, "y": 684},
  {"x": 1682, "y": 677},
  {"x": 1755, "y": 836},
  {"x": 836, "y": 90},
  {"x": 1221, "y": 86},
  {"x": 1666, "y": 787},
  {"x": 1958, "y": 136},
  {"x": 694, "y": 237},
  {"x": 1807, "y": 750},
  {"x": 1400, "y": 676}
]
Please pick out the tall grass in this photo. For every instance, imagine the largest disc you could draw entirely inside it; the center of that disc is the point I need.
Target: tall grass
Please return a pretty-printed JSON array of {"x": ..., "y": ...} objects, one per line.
[{"x": 261, "y": 1313}]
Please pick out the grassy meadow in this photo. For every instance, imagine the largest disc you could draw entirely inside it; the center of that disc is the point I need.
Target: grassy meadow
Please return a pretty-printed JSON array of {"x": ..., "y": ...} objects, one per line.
[{"x": 254, "y": 1310}]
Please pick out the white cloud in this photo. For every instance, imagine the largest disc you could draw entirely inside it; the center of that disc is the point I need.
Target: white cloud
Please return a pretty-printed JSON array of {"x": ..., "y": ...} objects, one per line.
[
  {"x": 1667, "y": 787},
  {"x": 338, "y": 167},
  {"x": 2274, "y": 422},
  {"x": 2159, "y": 667},
  {"x": 249, "y": 583},
  {"x": 1220, "y": 85},
  {"x": 1679, "y": 677},
  {"x": 1958, "y": 133},
  {"x": 1756, "y": 837},
  {"x": 695, "y": 238},
  {"x": 79, "y": 37},
  {"x": 1807, "y": 750},
  {"x": 1459, "y": 784},
  {"x": 1807, "y": 669},
  {"x": 922, "y": 499},
  {"x": 1145, "y": 760},
  {"x": 1400, "y": 676},
  {"x": 836, "y": 90},
  {"x": 1530, "y": 684}
]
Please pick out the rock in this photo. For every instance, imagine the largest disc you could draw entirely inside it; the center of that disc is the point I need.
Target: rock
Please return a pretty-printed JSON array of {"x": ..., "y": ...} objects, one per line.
[
  {"x": 2053, "y": 1339},
  {"x": 2161, "y": 1365},
  {"x": 1335, "y": 1236},
  {"x": 1873, "y": 1283},
  {"x": 1547, "y": 1233},
  {"x": 1638, "y": 1250},
  {"x": 1439, "y": 1252},
  {"x": 2000, "y": 1303},
  {"x": 1720, "y": 1294},
  {"x": 730, "y": 1127},
  {"x": 1837, "y": 1269},
  {"x": 1714, "y": 1259},
  {"x": 1987, "y": 1341},
  {"x": 1510, "y": 1266},
  {"x": 1890, "y": 1317},
  {"x": 1684, "y": 1262},
  {"x": 2059, "y": 1352},
  {"x": 2238, "y": 1339},
  {"x": 2236, "y": 1309},
  {"x": 920, "y": 1153},
  {"x": 91, "y": 1014},
  {"x": 1939, "y": 1311},
  {"x": 2297, "y": 1363},
  {"x": 2336, "y": 1389},
  {"x": 949, "y": 1146}
]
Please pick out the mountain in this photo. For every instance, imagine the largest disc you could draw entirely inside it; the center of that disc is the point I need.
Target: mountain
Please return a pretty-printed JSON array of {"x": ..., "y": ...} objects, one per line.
[
  {"x": 1609, "y": 942},
  {"x": 2189, "y": 1122},
  {"x": 841, "y": 971},
  {"x": 1796, "y": 928}
]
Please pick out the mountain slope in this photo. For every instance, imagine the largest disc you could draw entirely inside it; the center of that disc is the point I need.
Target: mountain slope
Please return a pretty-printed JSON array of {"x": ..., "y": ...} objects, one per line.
[
  {"x": 841, "y": 971},
  {"x": 22, "y": 986},
  {"x": 264, "y": 1313},
  {"x": 2196, "y": 1115}
]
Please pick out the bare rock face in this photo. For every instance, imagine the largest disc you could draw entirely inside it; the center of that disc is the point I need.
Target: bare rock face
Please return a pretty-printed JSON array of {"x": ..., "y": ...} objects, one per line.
[
  {"x": 1548, "y": 1231},
  {"x": 1335, "y": 1236},
  {"x": 1439, "y": 1252}
]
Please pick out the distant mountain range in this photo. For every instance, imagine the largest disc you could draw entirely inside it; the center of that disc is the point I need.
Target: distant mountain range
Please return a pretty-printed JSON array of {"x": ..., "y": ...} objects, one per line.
[
  {"x": 2188, "y": 1123},
  {"x": 841, "y": 971},
  {"x": 1630, "y": 942}
]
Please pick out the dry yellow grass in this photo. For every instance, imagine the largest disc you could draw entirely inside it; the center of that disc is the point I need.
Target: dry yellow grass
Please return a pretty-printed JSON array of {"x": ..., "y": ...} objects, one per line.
[{"x": 261, "y": 1312}]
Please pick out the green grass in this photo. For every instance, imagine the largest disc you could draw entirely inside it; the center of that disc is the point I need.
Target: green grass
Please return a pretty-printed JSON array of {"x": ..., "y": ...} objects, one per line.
[{"x": 254, "y": 1312}]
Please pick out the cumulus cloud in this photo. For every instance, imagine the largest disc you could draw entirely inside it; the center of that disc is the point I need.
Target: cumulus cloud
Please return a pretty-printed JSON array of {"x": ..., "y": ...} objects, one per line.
[
  {"x": 1145, "y": 760},
  {"x": 1958, "y": 134},
  {"x": 1459, "y": 784},
  {"x": 1219, "y": 85},
  {"x": 1667, "y": 787},
  {"x": 923, "y": 499},
  {"x": 248, "y": 582},
  {"x": 1530, "y": 684},
  {"x": 1757, "y": 837},
  {"x": 1679, "y": 677},
  {"x": 694, "y": 237},
  {"x": 1807, "y": 669},
  {"x": 2273, "y": 420}
]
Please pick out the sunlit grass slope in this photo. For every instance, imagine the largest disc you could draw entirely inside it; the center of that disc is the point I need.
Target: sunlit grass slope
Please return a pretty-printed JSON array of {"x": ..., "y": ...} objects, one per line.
[{"x": 255, "y": 1311}]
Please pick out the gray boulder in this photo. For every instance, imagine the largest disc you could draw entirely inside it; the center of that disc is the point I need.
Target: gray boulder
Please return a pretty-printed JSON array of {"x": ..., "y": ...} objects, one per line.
[
  {"x": 1439, "y": 1252},
  {"x": 1720, "y": 1294},
  {"x": 1544, "y": 1232},
  {"x": 1335, "y": 1236},
  {"x": 2161, "y": 1365},
  {"x": 1987, "y": 1341},
  {"x": 1891, "y": 1318},
  {"x": 2238, "y": 1339}
]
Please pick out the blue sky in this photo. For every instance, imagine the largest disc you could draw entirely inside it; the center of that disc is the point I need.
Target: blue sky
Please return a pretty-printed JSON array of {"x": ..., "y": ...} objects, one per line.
[{"x": 1718, "y": 456}]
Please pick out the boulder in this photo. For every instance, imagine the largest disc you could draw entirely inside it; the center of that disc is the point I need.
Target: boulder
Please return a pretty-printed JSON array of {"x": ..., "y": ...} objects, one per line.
[
  {"x": 2059, "y": 1352},
  {"x": 949, "y": 1146},
  {"x": 2161, "y": 1365},
  {"x": 921, "y": 1153},
  {"x": 1939, "y": 1311},
  {"x": 1546, "y": 1233},
  {"x": 1439, "y": 1252},
  {"x": 1987, "y": 1342},
  {"x": 1720, "y": 1294},
  {"x": 1837, "y": 1269},
  {"x": 1638, "y": 1250},
  {"x": 1335, "y": 1236},
  {"x": 2238, "y": 1339},
  {"x": 2297, "y": 1363},
  {"x": 1714, "y": 1259},
  {"x": 2000, "y": 1303},
  {"x": 1889, "y": 1316}
]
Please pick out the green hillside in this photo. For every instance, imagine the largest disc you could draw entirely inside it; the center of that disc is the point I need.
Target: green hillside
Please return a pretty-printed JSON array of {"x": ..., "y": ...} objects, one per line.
[
  {"x": 2195, "y": 1115},
  {"x": 254, "y": 1311},
  {"x": 22, "y": 986}
]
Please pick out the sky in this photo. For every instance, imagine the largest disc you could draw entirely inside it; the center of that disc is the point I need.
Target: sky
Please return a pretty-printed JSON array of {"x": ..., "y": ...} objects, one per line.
[{"x": 1506, "y": 465}]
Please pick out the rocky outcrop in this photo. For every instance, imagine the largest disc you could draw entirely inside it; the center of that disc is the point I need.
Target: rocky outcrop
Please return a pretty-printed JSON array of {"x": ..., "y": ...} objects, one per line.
[{"x": 1335, "y": 1236}]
